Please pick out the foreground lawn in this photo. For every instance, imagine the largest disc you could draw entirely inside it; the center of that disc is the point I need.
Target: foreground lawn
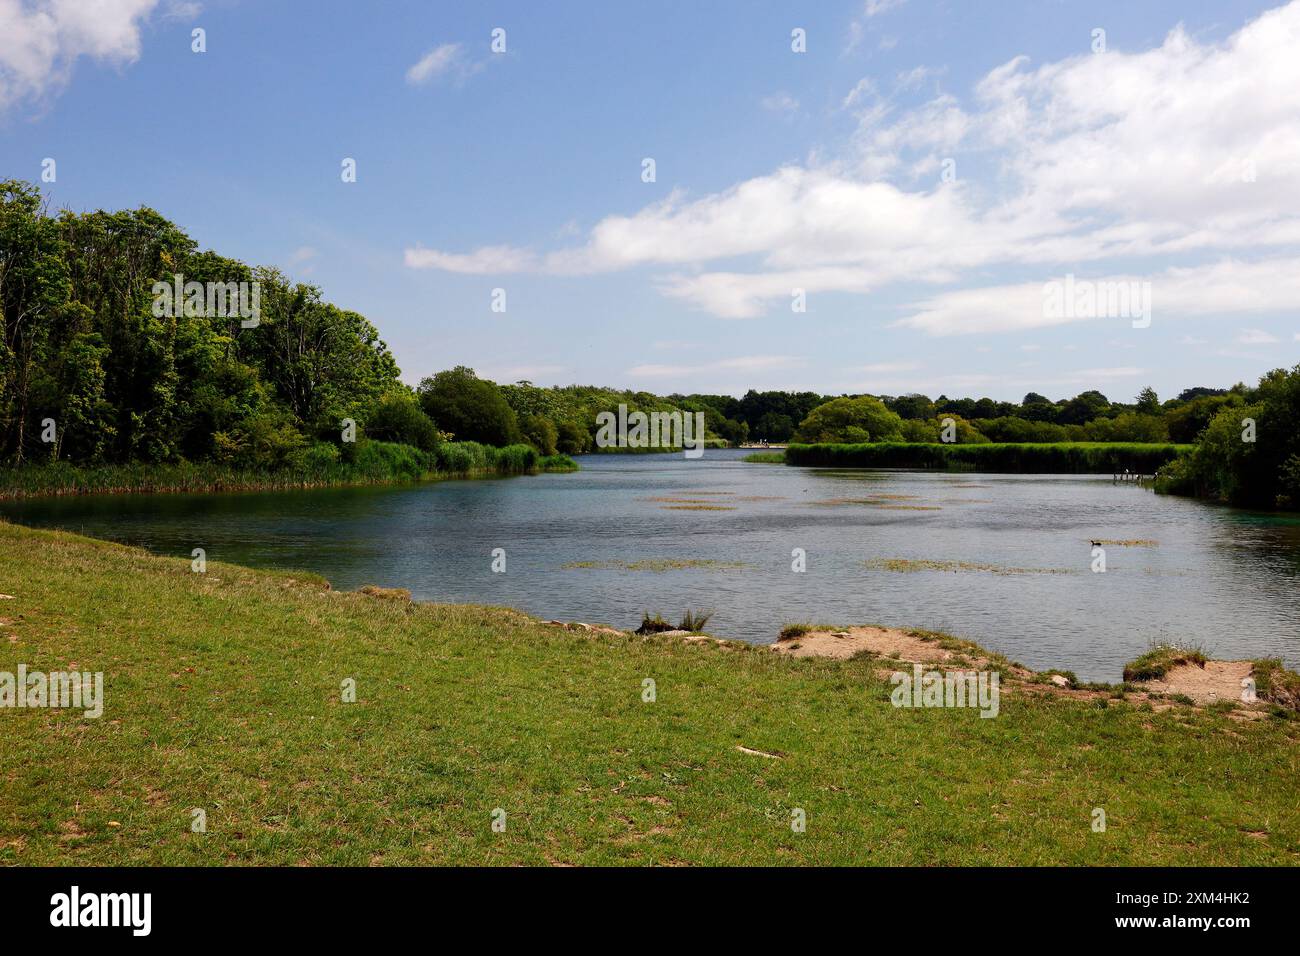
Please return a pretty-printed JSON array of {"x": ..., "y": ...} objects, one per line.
[{"x": 222, "y": 692}]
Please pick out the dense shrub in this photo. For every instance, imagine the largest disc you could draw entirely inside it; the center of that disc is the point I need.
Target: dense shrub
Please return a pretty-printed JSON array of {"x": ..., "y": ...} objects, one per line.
[
  {"x": 1062, "y": 458},
  {"x": 397, "y": 417}
]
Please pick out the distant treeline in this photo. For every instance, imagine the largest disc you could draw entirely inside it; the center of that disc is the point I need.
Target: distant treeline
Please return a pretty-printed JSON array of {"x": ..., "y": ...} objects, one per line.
[
  {"x": 1061, "y": 458},
  {"x": 108, "y": 359}
]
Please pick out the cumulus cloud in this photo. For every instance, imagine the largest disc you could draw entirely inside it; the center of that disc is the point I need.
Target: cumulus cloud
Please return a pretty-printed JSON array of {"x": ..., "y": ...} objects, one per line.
[
  {"x": 1184, "y": 154},
  {"x": 41, "y": 41}
]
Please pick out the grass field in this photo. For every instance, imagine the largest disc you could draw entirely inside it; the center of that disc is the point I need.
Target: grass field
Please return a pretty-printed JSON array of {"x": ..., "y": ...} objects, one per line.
[
  {"x": 1026, "y": 458},
  {"x": 222, "y": 692}
]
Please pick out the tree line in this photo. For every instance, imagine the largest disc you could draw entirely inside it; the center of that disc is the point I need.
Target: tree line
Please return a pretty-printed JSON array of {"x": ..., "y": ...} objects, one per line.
[{"x": 92, "y": 371}]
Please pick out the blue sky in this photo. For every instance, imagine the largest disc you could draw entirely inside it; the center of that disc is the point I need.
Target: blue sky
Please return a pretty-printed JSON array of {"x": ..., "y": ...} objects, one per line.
[{"x": 1171, "y": 157}]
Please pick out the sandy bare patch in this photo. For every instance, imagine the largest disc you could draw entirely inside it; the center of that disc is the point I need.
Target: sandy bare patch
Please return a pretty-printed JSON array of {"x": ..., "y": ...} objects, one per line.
[
  {"x": 1217, "y": 680},
  {"x": 881, "y": 641}
]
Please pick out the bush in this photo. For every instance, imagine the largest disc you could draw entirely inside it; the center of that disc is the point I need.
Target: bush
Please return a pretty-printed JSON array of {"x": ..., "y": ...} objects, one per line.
[
  {"x": 397, "y": 417},
  {"x": 1061, "y": 458}
]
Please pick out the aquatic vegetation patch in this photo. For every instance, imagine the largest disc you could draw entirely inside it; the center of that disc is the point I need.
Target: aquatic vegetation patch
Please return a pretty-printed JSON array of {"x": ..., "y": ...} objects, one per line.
[
  {"x": 698, "y": 508},
  {"x": 1127, "y": 542},
  {"x": 657, "y": 565},
  {"x": 911, "y": 565},
  {"x": 884, "y": 502}
]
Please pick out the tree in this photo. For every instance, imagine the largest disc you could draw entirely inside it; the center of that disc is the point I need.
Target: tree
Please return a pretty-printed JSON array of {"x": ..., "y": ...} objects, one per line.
[
  {"x": 539, "y": 432},
  {"x": 774, "y": 427},
  {"x": 912, "y": 406},
  {"x": 471, "y": 408},
  {"x": 1147, "y": 401},
  {"x": 850, "y": 420},
  {"x": 1083, "y": 408},
  {"x": 572, "y": 438},
  {"x": 397, "y": 417}
]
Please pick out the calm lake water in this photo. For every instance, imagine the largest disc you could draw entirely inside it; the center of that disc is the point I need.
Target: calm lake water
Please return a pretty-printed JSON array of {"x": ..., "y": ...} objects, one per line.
[{"x": 1221, "y": 578}]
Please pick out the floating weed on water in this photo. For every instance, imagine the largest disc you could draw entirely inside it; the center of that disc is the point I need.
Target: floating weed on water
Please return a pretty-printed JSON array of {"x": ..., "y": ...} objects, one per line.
[
  {"x": 884, "y": 502},
  {"x": 656, "y": 564},
  {"x": 698, "y": 508},
  {"x": 1127, "y": 542},
  {"x": 910, "y": 565}
]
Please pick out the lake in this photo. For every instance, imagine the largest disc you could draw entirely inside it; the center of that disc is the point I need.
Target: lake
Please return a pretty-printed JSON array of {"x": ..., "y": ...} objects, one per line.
[{"x": 606, "y": 544}]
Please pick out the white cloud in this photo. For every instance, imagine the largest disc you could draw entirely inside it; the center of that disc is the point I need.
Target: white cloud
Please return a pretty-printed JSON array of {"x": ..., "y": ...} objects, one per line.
[
  {"x": 1180, "y": 154},
  {"x": 41, "y": 40},
  {"x": 780, "y": 103},
  {"x": 488, "y": 259},
  {"x": 1256, "y": 337},
  {"x": 1224, "y": 287},
  {"x": 442, "y": 60},
  {"x": 876, "y": 7}
]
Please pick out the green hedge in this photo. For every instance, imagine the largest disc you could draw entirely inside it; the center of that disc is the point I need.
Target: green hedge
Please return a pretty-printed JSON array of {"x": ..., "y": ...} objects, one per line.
[{"x": 1054, "y": 458}]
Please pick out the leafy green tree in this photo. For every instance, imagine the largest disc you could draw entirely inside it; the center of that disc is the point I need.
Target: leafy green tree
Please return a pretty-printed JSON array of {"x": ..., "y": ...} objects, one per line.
[
  {"x": 469, "y": 407},
  {"x": 539, "y": 432},
  {"x": 572, "y": 438},
  {"x": 397, "y": 417},
  {"x": 850, "y": 420},
  {"x": 1083, "y": 408}
]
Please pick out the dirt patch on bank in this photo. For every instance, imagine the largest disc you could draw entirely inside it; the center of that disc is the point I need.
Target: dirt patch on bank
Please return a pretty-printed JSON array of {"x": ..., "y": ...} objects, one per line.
[
  {"x": 1205, "y": 684},
  {"x": 877, "y": 641}
]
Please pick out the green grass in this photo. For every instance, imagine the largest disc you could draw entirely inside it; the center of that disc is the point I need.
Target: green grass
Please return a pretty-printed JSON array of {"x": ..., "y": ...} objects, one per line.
[
  {"x": 222, "y": 691},
  {"x": 1045, "y": 458},
  {"x": 1155, "y": 663},
  {"x": 369, "y": 462},
  {"x": 766, "y": 458}
]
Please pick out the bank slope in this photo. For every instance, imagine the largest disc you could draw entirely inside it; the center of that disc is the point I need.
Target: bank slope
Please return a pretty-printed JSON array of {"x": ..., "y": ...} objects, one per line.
[{"x": 223, "y": 693}]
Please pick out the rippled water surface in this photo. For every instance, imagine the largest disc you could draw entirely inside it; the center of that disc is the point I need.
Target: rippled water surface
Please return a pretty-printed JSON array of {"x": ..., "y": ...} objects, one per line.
[{"x": 1217, "y": 577}]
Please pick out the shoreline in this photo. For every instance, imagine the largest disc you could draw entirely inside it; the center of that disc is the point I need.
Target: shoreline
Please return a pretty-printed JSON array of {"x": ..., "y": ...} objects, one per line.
[
  {"x": 360, "y": 727},
  {"x": 190, "y": 478},
  {"x": 1210, "y": 683}
]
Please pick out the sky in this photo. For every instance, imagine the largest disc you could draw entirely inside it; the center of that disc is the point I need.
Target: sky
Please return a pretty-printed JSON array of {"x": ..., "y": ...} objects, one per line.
[{"x": 883, "y": 196}]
